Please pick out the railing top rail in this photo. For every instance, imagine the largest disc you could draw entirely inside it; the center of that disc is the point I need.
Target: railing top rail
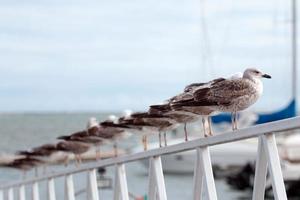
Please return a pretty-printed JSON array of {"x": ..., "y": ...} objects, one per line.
[{"x": 242, "y": 134}]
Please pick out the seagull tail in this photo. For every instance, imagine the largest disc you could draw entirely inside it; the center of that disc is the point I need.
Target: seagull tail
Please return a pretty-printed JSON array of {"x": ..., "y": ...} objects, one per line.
[
  {"x": 179, "y": 104},
  {"x": 64, "y": 137},
  {"x": 25, "y": 153},
  {"x": 159, "y": 109}
]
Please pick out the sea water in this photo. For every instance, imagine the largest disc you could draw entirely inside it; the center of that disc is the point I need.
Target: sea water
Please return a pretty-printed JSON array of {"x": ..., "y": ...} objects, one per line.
[{"x": 23, "y": 131}]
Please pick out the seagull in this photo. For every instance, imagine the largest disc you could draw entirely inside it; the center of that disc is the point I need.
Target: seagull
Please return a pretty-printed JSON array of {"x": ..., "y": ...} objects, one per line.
[
  {"x": 157, "y": 123},
  {"x": 180, "y": 117},
  {"x": 186, "y": 104},
  {"x": 48, "y": 153},
  {"x": 25, "y": 164},
  {"x": 91, "y": 129},
  {"x": 6, "y": 158},
  {"x": 232, "y": 95},
  {"x": 154, "y": 122},
  {"x": 138, "y": 127},
  {"x": 111, "y": 131},
  {"x": 89, "y": 136},
  {"x": 93, "y": 140},
  {"x": 75, "y": 147}
]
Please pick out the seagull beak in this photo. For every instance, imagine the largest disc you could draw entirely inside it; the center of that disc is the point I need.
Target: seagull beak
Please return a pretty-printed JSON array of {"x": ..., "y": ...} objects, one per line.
[{"x": 266, "y": 76}]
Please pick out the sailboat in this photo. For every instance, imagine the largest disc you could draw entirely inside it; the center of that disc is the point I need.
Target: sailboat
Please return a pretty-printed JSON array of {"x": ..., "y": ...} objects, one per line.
[{"x": 287, "y": 112}]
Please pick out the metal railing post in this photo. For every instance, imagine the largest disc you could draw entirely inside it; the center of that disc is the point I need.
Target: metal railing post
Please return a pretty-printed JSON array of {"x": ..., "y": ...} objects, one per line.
[
  {"x": 156, "y": 179},
  {"x": 198, "y": 177},
  {"x": 51, "y": 189},
  {"x": 260, "y": 172},
  {"x": 116, "y": 188},
  {"x": 268, "y": 158},
  {"x": 10, "y": 193},
  {"x": 274, "y": 166},
  {"x": 92, "y": 187},
  {"x": 121, "y": 188},
  {"x": 151, "y": 184},
  {"x": 35, "y": 191},
  {"x": 22, "y": 192},
  {"x": 209, "y": 181},
  {"x": 69, "y": 187}
]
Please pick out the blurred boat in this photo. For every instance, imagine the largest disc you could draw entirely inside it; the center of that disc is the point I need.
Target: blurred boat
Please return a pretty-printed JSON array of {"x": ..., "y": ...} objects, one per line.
[
  {"x": 287, "y": 112},
  {"x": 232, "y": 156},
  {"x": 223, "y": 156},
  {"x": 242, "y": 179}
]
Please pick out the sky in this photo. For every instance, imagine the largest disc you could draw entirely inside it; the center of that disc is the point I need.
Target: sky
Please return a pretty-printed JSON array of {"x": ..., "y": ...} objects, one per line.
[{"x": 69, "y": 56}]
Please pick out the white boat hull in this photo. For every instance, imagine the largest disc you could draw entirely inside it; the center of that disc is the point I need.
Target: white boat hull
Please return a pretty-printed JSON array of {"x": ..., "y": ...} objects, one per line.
[{"x": 224, "y": 156}]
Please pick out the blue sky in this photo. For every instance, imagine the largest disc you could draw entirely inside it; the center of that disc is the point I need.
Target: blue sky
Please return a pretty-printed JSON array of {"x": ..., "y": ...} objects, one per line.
[{"x": 113, "y": 55}]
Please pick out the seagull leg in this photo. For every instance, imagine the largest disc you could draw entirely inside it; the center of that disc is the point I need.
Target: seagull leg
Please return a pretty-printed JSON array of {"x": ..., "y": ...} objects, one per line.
[
  {"x": 159, "y": 137},
  {"x": 235, "y": 120},
  {"x": 76, "y": 161},
  {"x": 66, "y": 161},
  {"x": 165, "y": 139},
  {"x": 210, "y": 126},
  {"x": 44, "y": 169},
  {"x": 144, "y": 140},
  {"x": 232, "y": 121},
  {"x": 98, "y": 155},
  {"x": 24, "y": 174},
  {"x": 204, "y": 128},
  {"x": 185, "y": 132},
  {"x": 115, "y": 149},
  {"x": 36, "y": 172},
  {"x": 80, "y": 158}
]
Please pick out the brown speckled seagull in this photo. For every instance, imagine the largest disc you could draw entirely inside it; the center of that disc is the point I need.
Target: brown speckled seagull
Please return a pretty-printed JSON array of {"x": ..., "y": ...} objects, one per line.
[
  {"x": 185, "y": 103},
  {"x": 232, "y": 95},
  {"x": 138, "y": 127},
  {"x": 89, "y": 136},
  {"x": 25, "y": 164},
  {"x": 180, "y": 117},
  {"x": 112, "y": 131},
  {"x": 77, "y": 148},
  {"x": 155, "y": 122}
]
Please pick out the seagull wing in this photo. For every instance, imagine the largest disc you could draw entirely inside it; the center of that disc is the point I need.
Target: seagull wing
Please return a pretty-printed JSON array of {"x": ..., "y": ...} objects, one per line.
[
  {"x": 223, "y": 92},
  {"x": 189, "y": 90},
  {"x": 194, "y": 86},
  {"x": 181, "y": 97}
]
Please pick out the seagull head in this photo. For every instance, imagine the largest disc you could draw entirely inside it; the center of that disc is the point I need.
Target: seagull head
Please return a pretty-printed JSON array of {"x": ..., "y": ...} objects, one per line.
[
  {"x": 253, "y": 73},
  {"x": 127, "y": 113},
  {"x": 92, "y": 123},
  {"x": 113, "y": 118}
]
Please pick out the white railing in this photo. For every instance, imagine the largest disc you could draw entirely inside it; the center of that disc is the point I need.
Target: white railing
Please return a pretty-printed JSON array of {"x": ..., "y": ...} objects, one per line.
[{"x": 267, "y": 160}]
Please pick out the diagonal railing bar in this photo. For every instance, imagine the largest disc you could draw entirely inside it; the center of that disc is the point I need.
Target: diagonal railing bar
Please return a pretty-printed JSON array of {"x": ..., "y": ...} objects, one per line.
[{"x": 242, "y": 134}]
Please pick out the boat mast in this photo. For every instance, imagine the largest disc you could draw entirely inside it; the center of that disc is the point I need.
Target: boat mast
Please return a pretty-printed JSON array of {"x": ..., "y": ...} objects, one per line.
[{"x": 294, "y": 48}]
